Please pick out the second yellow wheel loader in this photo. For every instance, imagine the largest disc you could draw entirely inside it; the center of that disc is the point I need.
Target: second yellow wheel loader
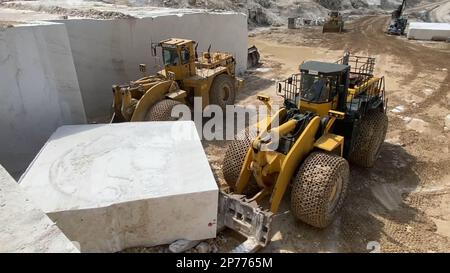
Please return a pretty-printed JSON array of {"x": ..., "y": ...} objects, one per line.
[
  {"x": 335, "y": 23},
  {"x": 186, "y": 75},
  {"x": 333, "y": 114}
]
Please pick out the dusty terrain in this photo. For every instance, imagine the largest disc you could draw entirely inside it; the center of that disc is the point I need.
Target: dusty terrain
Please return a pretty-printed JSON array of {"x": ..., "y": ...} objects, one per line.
[{"x": 403, "y": 203}]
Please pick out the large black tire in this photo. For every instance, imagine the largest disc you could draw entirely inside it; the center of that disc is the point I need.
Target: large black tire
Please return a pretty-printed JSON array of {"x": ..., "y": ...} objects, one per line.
[
  {"x": 223, "y": 91},
  {"x": 235, "y": 155},
  {"x": 162, "y": 111},
  {"x": 367, "y": 140},
  {"x": 319, "y": 188}
]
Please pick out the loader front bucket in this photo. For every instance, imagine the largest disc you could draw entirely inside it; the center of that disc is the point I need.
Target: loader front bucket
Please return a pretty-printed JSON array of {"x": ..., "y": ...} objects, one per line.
[{"x": 331, "y": 27}]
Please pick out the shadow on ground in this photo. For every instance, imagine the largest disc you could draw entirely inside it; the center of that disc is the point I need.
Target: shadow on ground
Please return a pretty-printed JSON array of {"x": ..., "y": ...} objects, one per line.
[{"x": 377, "y": 215}]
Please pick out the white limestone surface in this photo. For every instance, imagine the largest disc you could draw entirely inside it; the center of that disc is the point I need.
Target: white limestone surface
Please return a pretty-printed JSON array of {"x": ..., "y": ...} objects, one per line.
[
  {"x": 115, "y": 186},
  {"x": 24, "y": 228},
  {"x": 38, "y": 88},
  {"x": 428, "y": 31}
]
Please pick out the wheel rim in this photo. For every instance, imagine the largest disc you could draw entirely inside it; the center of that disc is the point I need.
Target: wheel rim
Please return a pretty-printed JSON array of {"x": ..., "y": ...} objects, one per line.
[{"x": 335, "y": 193}]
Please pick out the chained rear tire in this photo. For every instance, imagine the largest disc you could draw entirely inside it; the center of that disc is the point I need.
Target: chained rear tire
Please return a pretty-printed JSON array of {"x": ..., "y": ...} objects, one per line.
[
  {"x": 162, "y": 111},
  {"x": 367, "y": 142},
  {"x": 319, "y": 188},
  {"x": 223, "y": 91},
  {"x": 235, "y": 156}
]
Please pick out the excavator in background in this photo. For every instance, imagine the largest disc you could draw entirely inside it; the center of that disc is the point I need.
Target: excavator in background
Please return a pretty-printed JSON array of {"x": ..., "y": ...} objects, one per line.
[
  {"x": 185, "y": 75},
  {"x": 333, "y": 114},
  {"x": 335, "y": 23},
  {"x": 398, "y": 21}
]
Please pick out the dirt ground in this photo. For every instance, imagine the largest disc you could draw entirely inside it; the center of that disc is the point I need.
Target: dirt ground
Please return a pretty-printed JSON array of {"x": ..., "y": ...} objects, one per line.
[{"x": 403, "y": 203}]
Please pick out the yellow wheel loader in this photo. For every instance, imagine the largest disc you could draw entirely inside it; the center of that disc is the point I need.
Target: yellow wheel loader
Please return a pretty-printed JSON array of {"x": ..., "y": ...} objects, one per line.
[
  {"x": 186, "y": 75},
  {"x": 333, "y": 113},
  {"x": 334, "y": 23}
]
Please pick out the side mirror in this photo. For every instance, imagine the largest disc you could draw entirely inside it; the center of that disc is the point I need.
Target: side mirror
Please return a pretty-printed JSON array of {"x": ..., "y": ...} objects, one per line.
[{"x": 279, "y": 88}]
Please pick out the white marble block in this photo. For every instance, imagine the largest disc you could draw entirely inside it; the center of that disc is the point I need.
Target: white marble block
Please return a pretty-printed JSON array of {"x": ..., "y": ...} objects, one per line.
[
  {"x": 24, "y": 228},
  {"x": 115, "y": 186},
  {"x": 429, "y": 31}
]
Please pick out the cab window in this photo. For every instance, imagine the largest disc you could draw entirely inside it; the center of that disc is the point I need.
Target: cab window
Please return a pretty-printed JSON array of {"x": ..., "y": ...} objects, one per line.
[
  {"x": 315, "y": 88},
  {"x": 185, "y": 56},
  {"x": 170, "y": 57}
]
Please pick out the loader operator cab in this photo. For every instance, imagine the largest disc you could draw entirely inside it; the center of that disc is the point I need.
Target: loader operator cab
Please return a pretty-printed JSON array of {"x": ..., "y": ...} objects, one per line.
[
  {"x": 322, "y": 87},
  {"x": 178, "y": 58},
  {"x": 315, "y": 88}
]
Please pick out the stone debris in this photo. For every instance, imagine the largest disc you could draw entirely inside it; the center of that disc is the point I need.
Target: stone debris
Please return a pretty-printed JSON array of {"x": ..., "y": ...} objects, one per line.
[
  {"x": 203, "y": 247},
  {"x": 428, "y": 91},
  {"x": 182, "y": 245},
  {"x": 416, "y": 124},
  {"x": 398, "y": 109}
]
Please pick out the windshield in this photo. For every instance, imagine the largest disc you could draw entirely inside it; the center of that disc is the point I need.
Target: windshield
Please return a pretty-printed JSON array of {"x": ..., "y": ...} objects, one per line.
[
  {"x": 170, "y": 57},
  {"x": 315, "y": 88}
]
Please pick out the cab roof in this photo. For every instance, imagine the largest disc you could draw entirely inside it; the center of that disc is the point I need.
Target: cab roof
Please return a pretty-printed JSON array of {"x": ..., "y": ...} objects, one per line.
[
  {"x": 315, "y": 67},
  {"x": 176, "y": 41}
]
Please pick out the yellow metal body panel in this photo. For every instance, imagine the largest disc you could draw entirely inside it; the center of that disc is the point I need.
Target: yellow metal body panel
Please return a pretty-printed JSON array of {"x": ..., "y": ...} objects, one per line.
[
  {"x": 176, "y": 41},
  {"x": 321, "y": 109},
  {"x": 336, "y": 114},
  {"x": 246, "y": 171},
  {"x": 330, "y": 142},
  {"x": 153, "y": 95},
  {"x": 178, "y": 95},
  {"x": 371, "y": 86},
  {"x": 302, "y": 147},
  {"x": 245, "y": 174}
]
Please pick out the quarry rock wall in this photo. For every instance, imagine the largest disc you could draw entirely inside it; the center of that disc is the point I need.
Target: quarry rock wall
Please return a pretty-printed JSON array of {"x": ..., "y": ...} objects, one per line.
[
  {"x": 60, "y": 72},
  {"x": 109, "y": 52},
  {"x": 39, "y": 90}
]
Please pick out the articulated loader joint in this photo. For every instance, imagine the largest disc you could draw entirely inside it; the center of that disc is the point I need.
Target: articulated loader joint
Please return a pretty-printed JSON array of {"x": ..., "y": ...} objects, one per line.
[{"x": 247, "y": 218}]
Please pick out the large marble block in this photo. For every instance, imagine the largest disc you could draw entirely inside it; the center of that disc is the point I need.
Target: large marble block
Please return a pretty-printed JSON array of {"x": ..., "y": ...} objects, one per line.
[
  {"x": 115, "y": 186},
  {"x": 24, "y": 228},
  {"x": 429, "y": 31}
]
